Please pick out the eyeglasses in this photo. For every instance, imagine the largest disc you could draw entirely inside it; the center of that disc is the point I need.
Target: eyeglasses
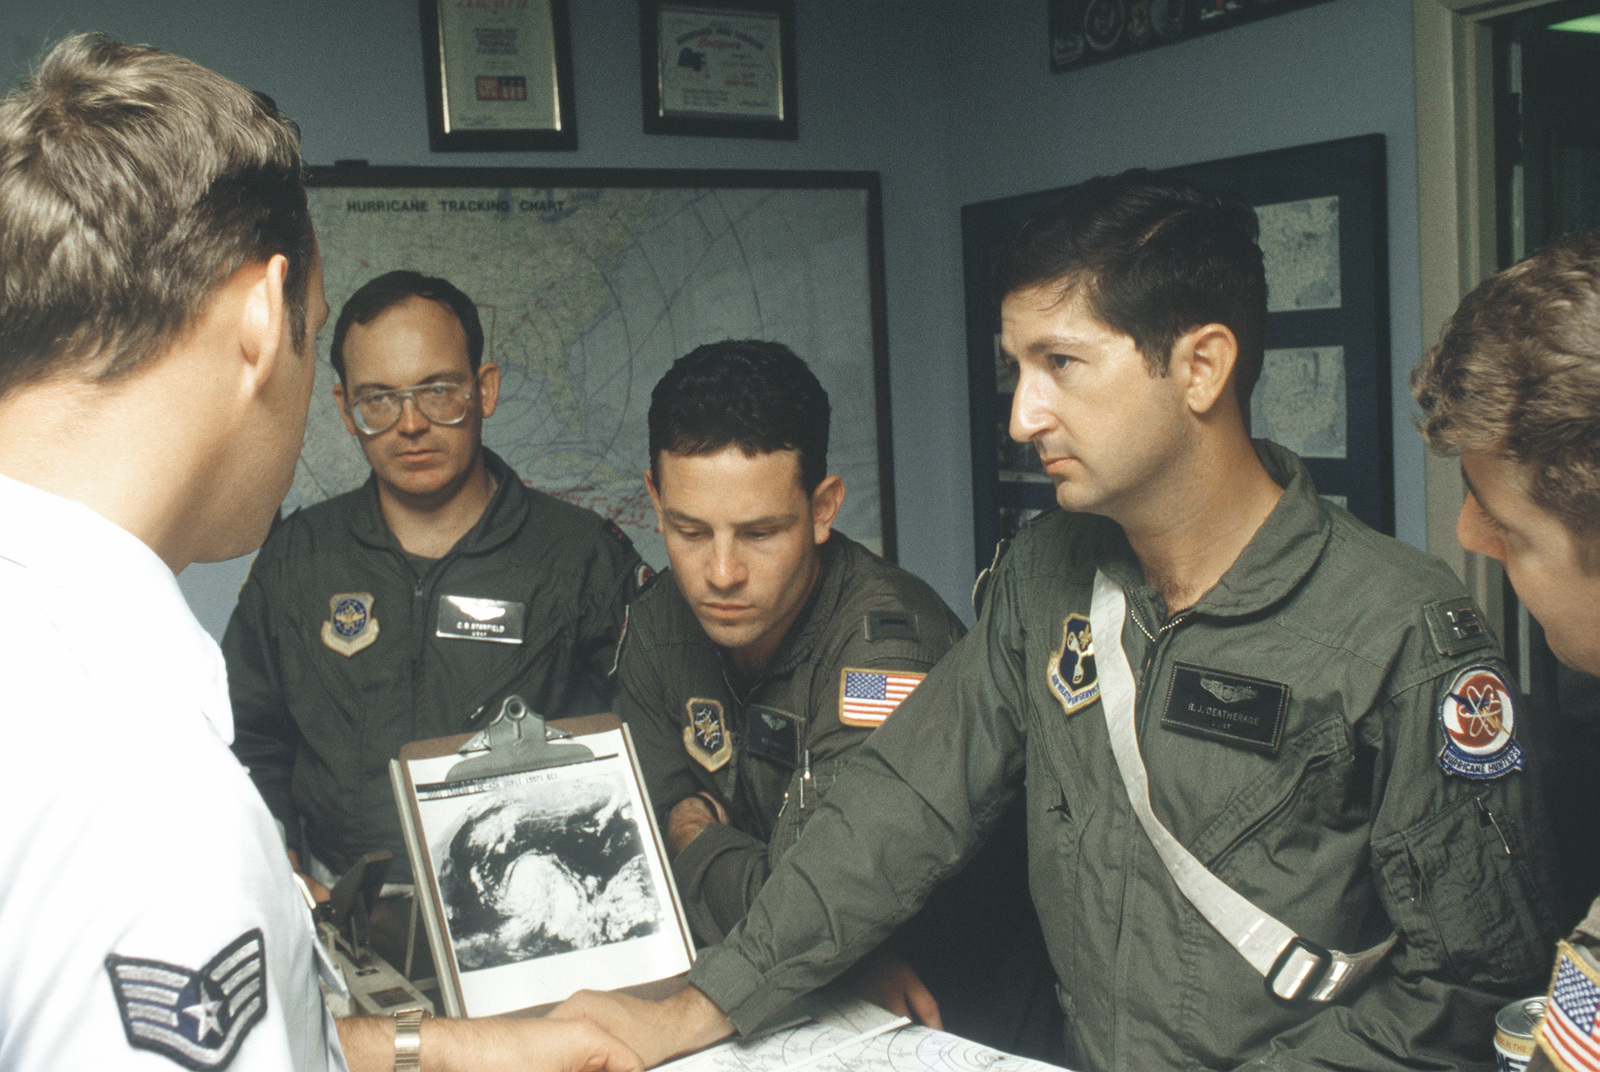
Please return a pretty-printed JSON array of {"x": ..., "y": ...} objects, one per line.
[{"x": 441, "y": 403}]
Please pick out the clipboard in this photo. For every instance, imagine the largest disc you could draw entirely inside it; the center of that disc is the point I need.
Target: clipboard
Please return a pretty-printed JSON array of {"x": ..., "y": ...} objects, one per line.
[{"x": 539, "y": 867}]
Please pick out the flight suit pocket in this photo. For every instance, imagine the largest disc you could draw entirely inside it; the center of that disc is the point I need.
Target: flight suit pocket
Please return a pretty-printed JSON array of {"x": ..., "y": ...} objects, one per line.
[
  {"x": 1460, "y": 889},
  {"x": 795, "y": 813}
]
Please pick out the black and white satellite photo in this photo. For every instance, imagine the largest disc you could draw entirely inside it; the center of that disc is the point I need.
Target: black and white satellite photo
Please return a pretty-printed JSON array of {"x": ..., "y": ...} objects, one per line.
[{"x": 552, "y": 864}]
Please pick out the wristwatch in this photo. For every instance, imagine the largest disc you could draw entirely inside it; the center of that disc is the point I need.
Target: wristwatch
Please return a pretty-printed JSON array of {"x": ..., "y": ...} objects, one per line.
[{"x": 408, "y": 1040}]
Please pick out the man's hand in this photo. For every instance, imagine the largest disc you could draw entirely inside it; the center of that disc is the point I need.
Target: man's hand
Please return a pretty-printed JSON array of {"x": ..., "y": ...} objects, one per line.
[
  {"x": 319, "y": 893},
  {"x": 657, "y": 1030},
  {"x": 890, "y": 983},
  {"x": 501, "y": 1044},
  {"x": 691, "y": 815}
]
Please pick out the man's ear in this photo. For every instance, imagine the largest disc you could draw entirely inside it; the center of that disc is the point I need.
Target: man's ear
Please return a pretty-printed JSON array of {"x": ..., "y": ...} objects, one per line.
[
  {"x": 341, "y": 400},
  {"x": 825, "y": 504},
  {"x": 1205, "y": 357},
  {"x": 655, "y": 500},
  {"x": 264, "y": 320},
  {"x": 488, "y": 387}
]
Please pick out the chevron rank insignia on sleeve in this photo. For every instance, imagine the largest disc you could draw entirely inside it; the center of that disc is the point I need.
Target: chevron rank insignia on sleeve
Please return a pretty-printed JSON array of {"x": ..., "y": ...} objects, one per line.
[{"x": 197, "y": 1018}]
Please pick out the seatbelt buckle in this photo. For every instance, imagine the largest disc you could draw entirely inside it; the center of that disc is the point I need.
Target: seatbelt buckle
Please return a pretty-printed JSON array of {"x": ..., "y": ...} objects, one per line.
[{"x": 1298, "y": 972}]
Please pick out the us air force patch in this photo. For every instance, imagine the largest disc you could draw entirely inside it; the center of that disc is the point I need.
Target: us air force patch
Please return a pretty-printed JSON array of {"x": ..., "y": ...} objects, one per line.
[
  {"x": 706, "y": 737},
  {"x": 1072, "y": 674},
  {"x": 197, "y": 1018},
  {"x": 350, "y": 625},
  {"x": 1478, "y": 722}
]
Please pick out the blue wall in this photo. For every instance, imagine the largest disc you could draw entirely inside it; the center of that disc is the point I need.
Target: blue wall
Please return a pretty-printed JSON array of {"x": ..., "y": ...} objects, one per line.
[{"x": 951, "y": 101}]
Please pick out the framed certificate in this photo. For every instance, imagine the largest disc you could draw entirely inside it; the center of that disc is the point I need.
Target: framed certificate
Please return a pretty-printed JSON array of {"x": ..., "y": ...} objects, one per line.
[
  {"x": 499, "y": 75},
  {"x": 723, "y": 68}
]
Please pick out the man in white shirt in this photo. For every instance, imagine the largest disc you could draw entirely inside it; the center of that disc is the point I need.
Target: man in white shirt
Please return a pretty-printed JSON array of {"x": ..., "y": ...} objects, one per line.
[{"x": 160, "y": 292}]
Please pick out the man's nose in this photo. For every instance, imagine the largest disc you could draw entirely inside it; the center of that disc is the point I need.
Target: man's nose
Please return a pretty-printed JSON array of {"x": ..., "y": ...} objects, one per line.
[
  {"x": 412, "y": 421},
  {"x": 1030, "y": 414},
  {"x": 726, "y": 569}
]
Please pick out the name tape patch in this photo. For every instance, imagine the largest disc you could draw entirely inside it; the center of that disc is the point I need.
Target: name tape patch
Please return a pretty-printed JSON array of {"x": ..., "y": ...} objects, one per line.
[
  {"x": 772, "y": 734},
  {"x": 1233, "y": 709},
  {"x": 475, "y": 618}
]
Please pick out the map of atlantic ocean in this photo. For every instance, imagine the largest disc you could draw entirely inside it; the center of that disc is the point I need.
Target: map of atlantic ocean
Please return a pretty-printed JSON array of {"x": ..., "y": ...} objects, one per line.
[{"x": 588, "y": 295}]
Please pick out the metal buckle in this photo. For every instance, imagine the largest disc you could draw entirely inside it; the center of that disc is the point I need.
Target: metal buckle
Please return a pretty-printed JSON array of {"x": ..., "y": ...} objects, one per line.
[{"x": 1307, "y": 964}]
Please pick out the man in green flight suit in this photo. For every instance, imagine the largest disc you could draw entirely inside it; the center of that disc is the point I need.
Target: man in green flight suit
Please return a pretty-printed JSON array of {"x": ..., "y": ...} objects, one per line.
[
  {"x": 1514, "y": 389},
  {"x": 1275, "y": 807},
  {"x": 775, "y": 649},
  {"x": 413, "y": 606}
]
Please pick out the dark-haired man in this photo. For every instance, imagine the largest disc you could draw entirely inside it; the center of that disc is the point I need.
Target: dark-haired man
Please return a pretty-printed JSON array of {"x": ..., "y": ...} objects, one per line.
[
  {"x": 1276, "y": 818},
  {"x": 412, "y": 606},
  {"x": 162, "y": 292},
  {"x": 1514, "y": 389},
  {"x": 778, "y": 645}
]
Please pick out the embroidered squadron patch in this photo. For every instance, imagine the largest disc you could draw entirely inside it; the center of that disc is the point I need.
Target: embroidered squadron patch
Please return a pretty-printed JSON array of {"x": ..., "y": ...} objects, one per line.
[
  {"x": 197, "y": 1018},
  {"x": 1071, "y": 667},
  {"x": 706, "y": 737},
  {"x": 350, "y": 626},
  {"x": 1478, "y": 724},
  {"x": 868, "y": 697}
]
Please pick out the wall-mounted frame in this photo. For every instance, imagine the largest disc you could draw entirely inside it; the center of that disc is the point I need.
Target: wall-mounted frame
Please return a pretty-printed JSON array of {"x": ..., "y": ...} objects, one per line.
[
  {"x": 499, "y": 77},
  {"x": 723, "y": 68},
  {"x": 1324, "y": 389},
  {"x": 1084, "y": 32},
  {"x": 590, "y": 283}
]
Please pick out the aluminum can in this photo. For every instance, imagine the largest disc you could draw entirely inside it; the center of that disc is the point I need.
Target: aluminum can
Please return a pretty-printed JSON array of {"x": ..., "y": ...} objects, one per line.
[{"x": 1513, "y": 1033}]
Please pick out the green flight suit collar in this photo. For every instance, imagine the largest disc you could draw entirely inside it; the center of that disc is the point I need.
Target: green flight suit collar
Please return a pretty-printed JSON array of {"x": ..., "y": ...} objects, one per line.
[
  {"x": 1277, "y": 558},
  {"x": 501, "y": 520}
]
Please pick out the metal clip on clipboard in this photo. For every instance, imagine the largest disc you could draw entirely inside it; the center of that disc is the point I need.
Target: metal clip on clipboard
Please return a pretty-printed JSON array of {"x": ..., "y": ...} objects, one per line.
[{"x": 517, "y": 740}]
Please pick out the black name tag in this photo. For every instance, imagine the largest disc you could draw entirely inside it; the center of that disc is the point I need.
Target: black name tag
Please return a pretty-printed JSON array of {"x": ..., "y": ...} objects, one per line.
[
  {"x": 1247, "y": 712},
  {"x": 772, "y": 734},
  {"x": 474, "y": 618}
]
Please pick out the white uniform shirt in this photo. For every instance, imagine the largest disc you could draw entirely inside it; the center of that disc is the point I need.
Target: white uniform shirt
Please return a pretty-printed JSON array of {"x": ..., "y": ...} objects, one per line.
[{"x": 148, "y": 916}]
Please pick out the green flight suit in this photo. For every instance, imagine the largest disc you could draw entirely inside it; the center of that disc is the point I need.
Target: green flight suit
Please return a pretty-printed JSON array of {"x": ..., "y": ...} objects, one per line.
[
  {"x": 317, "y": 727},
  {"x": 864, "y": 613},
  {"x": 1350, "y": 830}
]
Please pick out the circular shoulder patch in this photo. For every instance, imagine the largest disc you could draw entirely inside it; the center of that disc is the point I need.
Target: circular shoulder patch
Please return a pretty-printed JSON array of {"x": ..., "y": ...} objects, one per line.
[{"x": 1479, "y": 722}]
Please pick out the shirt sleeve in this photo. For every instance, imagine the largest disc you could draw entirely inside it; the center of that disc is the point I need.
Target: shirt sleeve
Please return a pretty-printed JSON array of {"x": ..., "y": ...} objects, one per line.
[
  {"x": 906, "y": 812},
  {"x": 265, "y": 736}
]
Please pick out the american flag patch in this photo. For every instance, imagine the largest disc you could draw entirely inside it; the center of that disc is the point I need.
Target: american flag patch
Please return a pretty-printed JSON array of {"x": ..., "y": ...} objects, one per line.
[
  {"x": 1569, "y": 1033},
  {"x": 867, "y": 697},
  {"x": 197, "y": 1018}
]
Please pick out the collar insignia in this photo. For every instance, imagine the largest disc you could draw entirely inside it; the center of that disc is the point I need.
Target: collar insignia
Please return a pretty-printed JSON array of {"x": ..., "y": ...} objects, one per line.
[
  {"x": 706, "y": 737},
  {"x": 196, "y": 1018},
  {"x": 1071, "y": 667},
  {"x": 350, "y": 626}
]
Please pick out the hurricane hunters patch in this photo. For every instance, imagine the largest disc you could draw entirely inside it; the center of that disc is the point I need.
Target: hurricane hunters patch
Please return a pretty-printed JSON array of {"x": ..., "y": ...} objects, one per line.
[
  {"x": 1233, "y": 709},
  {"x": 351, "y": 624},
  {"x": 197, "y": 1018},
  {"x": 1479, "y": 726},
  {"x": 868, "y": 697},
  {"x": 706, "y": 737},
  {"x": 1071, "y": 667}
]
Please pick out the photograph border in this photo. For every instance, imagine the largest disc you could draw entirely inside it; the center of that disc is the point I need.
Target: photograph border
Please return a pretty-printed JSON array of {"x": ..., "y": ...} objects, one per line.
[
  {"x": 443, "y": 140},
  {"x": 786, "y": 128}
]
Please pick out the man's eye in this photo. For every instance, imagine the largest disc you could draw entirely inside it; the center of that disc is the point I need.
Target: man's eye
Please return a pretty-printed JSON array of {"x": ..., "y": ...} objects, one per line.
[
  {"x": 437, "y": 390},
  {"x": 1060, "y": 361}
]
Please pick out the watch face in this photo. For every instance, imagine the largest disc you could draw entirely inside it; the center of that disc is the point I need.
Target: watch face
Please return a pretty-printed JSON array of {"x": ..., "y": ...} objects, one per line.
[
  {"x": 1166, "y": 17},
  {"x": 1103, "y": 24}
]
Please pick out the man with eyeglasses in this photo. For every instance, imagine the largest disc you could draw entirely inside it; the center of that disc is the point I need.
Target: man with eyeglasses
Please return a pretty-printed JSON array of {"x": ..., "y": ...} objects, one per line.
[{"x": 413, "y": 606}]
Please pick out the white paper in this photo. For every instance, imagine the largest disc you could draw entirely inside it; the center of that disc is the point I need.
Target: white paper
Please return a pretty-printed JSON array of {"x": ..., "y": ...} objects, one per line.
[{"x": 549, "y": 881}]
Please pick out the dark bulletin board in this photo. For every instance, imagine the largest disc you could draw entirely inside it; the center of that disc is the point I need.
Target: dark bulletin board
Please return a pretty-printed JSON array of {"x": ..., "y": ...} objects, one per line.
[{"x": 1324, "y": 390}]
